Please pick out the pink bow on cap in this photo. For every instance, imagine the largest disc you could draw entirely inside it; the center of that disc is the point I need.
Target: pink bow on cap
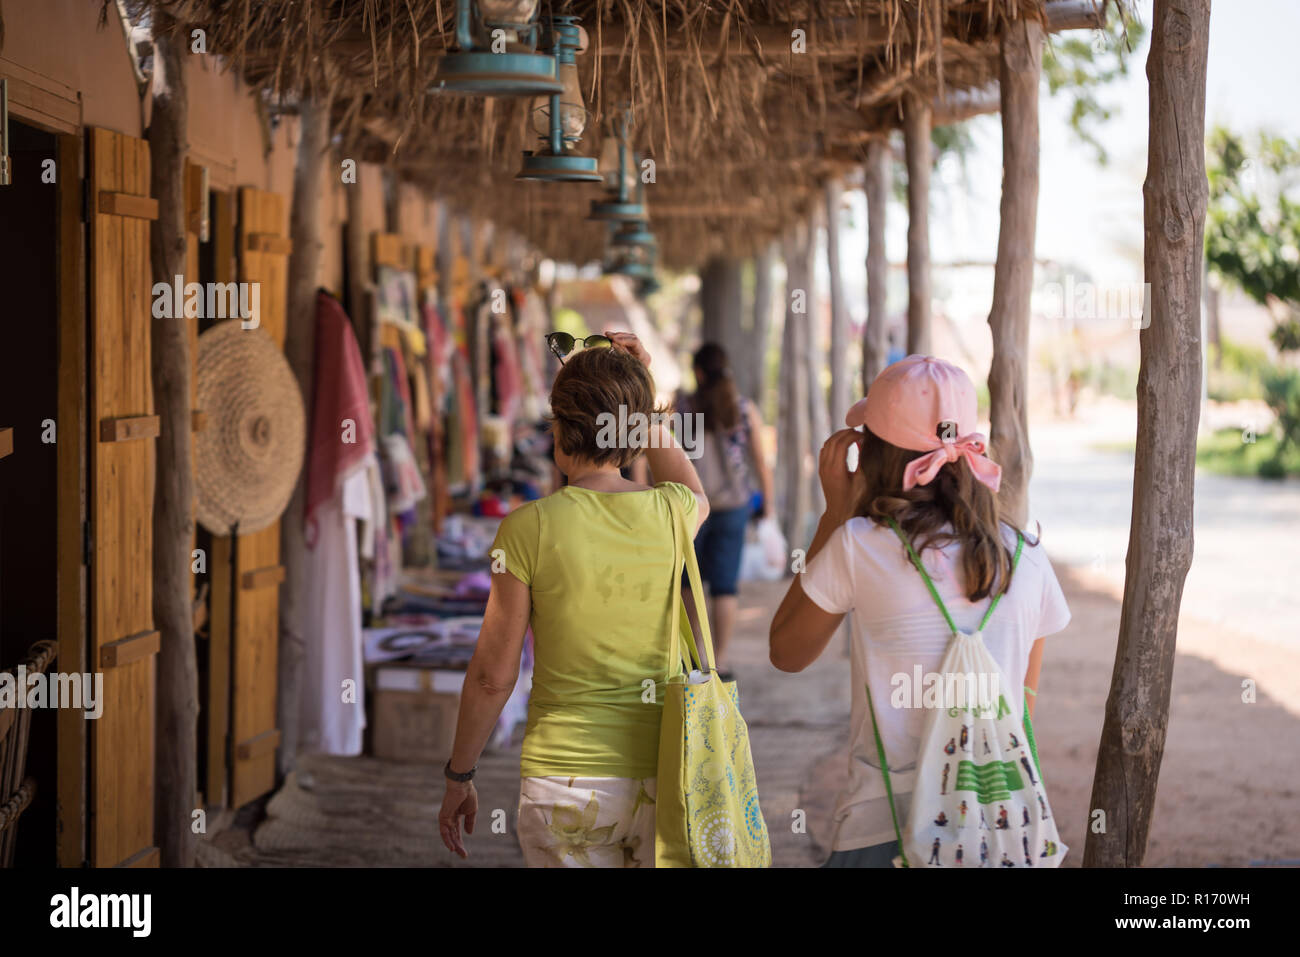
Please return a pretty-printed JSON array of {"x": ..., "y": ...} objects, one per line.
[
  {"x": 921, "y": 471},
  {"x": 912, "y": 404}
]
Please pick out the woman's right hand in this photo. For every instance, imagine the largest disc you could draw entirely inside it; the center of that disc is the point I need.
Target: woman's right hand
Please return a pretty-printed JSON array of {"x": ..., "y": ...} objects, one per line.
[
  {"x": 840, "y": 487},
  {"x": 461, "y": 800},
  {"x": 630, "y": 344}
]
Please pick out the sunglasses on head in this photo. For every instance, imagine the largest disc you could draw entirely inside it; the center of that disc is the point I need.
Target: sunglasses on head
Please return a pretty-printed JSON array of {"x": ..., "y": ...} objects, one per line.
[{"x": 561, "y": 343}]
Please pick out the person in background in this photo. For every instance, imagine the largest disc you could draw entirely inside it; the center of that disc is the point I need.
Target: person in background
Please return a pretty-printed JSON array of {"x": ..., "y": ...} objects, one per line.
[
  {"x": 922, "y": 465},
  {"x": 593, "y": 569},
  {"x": 726, "y": 455}
]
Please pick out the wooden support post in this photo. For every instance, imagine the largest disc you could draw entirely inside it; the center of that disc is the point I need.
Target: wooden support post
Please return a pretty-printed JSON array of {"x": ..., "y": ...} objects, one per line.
[
  {"x": 720, "y": 304},
  {"x": 793, "y": 426},
  {"x": 1168, "y": 394},
  {"x": 176, "y": 760},
  {"x": 756, "y": 348},
  {"x": 819, "y": 420},
  {"x": 1019, "y": 67},
  {"x": 839, "y": 355},
  {"x": 299, "y": 347},
  {"x": 875, "y": 337},
  {"x": 916, "y": 140}
]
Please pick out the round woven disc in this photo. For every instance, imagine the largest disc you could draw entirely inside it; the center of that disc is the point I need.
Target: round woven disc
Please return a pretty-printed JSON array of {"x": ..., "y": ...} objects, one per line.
[{"x": 248, "y": 455}]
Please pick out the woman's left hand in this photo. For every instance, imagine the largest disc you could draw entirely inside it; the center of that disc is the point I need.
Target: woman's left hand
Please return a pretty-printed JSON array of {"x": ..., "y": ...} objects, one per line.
[
  {"x": 461, "y": 800},
  {"x": 630, "y": 344}
]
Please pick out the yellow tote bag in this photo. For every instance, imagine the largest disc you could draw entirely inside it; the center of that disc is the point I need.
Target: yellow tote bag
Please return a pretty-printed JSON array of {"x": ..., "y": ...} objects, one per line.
[{"x": 706, "y": 806}]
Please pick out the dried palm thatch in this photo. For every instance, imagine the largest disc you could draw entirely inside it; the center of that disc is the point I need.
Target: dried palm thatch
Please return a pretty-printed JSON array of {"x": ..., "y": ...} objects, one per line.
[{"x": 744, "y": 125}]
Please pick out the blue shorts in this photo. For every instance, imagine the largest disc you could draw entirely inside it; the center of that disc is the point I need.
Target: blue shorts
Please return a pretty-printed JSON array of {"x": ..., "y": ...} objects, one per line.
[{"x": 718, "y": 547}]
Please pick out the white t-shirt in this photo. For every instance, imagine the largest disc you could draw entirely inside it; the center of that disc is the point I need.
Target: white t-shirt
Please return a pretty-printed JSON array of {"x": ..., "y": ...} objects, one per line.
[{"x": 864, "y": 571}]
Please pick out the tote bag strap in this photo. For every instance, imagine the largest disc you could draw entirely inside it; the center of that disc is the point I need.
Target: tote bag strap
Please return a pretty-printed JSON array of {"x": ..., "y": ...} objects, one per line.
[
  {"x": 875, "y": 728},
  {"x": 683, "y": 546}
]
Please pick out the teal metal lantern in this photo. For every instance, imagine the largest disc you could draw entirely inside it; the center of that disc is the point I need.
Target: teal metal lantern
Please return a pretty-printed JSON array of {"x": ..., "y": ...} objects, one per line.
[
  {"x": 633, "y": 251},
  {"x": 476, "y": 68},
  {"x": 560, "y": 119},
  {"x": 618, "y": 165}
]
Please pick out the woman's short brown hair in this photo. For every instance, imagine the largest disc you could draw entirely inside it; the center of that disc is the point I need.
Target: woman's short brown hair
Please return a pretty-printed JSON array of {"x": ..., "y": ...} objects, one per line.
[{"x": 592, "y": 384}]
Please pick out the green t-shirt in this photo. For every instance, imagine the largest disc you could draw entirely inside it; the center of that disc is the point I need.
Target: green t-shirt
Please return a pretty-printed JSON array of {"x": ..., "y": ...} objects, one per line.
[{"x": 604, "y": 576}]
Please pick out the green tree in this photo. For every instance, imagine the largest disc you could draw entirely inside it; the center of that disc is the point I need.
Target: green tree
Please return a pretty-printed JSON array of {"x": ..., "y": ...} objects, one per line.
[
  {"x": 1079, "y": 64},
  {"x": 1252, "y": 229}
]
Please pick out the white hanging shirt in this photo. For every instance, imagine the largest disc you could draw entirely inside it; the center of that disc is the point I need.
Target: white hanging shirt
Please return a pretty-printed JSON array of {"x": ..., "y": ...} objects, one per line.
[
  {"x": 331, "y": 632},
  {"x": 864, "y": 571}
]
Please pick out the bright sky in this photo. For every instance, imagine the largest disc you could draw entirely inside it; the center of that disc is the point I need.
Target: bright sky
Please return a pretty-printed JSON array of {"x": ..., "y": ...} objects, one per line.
[{"x": 1089, "y": 215}]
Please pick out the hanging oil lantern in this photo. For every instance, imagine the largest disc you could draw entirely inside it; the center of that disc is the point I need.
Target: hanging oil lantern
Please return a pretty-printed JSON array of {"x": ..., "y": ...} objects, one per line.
[
  {"x": 496, "y": 52},
  {"x": 560, "y": 119},
  {"x": 618, "y": 165},
  {"x": 633, "y": 251}
]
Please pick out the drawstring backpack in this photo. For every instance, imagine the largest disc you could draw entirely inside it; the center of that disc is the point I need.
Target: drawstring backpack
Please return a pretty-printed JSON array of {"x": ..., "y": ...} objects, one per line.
[{"x": 978, "y": 799}]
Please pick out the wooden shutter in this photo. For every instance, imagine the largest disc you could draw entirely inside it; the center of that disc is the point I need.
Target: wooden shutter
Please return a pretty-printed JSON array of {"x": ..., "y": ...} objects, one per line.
[
  {"x": 123, "y": 641},
  {"x": 263, "y": 258}
]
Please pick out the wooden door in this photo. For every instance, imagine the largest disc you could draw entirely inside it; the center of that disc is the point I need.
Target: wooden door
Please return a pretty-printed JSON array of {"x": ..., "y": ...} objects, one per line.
[
  {"x": 263, "y": 258},
  {"x": 123, "y": 641}
]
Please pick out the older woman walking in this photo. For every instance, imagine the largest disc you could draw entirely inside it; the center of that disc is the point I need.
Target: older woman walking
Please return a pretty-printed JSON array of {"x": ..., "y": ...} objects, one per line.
[{"x": 592, "y": 568}]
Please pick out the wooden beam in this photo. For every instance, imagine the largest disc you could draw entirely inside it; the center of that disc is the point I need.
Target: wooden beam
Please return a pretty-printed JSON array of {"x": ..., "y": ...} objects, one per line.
[
  {"x": 876, "y": 185},
  {"x": 1168, "y": 405},
  {"x": 129, "y": 649},
  {"x": 306, "y": 231},
  {"x": 262, "y": 577},
  {"x": 125, "y": 204},
  {"x": 6, "y": 442},
  {"x": 1019, "y": 72},
  {"x": 176, "y": 749},
  {"x": 916, "y": 138},
  {"x": 129, "y": 428}
]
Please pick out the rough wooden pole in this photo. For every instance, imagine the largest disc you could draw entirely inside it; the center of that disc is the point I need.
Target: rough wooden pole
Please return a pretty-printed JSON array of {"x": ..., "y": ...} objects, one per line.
[
  {"x": 839, "y": 354},
  {"x": 1019, "y": 66},
  {"x": 1168, "y": 394},
  {"x": 875, "y": 337},
  {"x": 819, "y": 425},
  {"x": 721, "y": 295},
  {"x": 916, "y": 141},
  {"x": 176, "y": 742},
  {"x": 793, "y": 432},
  {"x": 762, "y": 330},
  {"x": 299, "y": 348}
]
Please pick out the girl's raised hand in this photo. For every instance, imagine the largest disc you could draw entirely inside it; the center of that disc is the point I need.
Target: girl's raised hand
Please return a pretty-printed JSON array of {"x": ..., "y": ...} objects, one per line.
[{"x": 840, "y": 486}]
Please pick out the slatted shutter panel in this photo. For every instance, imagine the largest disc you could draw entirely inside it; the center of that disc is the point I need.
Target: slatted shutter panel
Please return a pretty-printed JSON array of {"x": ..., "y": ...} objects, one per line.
[
  {"x": 123, "y": 641},
  {"x": 264, "y": 259}
]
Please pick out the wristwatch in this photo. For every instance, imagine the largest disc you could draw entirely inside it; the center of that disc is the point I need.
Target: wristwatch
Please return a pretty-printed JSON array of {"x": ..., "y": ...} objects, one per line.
[{"x": 458, "y": 778}]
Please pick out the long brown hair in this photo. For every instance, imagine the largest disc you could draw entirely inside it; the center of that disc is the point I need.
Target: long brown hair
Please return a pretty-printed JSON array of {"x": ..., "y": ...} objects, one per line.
[
  {"x": 954, "y": 507},
  {"x": 715, "y": 392}
]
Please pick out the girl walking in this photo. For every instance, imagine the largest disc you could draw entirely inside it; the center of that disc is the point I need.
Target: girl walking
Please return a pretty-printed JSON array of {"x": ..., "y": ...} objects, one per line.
[{"x": 922, "y": 467}]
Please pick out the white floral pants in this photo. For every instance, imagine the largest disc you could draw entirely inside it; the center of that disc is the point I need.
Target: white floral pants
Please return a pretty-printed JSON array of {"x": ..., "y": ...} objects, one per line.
[{"x": 587, "y": 822}]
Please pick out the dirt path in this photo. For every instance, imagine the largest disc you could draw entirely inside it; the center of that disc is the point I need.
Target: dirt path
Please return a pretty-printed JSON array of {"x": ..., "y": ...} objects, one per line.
[{"x": 1227, "y": 796}]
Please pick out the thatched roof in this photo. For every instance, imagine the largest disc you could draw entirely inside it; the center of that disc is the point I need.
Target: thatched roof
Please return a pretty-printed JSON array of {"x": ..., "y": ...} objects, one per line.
[{"x": 743, "y": 131}]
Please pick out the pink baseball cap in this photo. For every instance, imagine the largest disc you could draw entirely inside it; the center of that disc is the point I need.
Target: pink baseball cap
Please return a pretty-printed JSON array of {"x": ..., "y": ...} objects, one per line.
[{"x": 926, "y": 404}]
